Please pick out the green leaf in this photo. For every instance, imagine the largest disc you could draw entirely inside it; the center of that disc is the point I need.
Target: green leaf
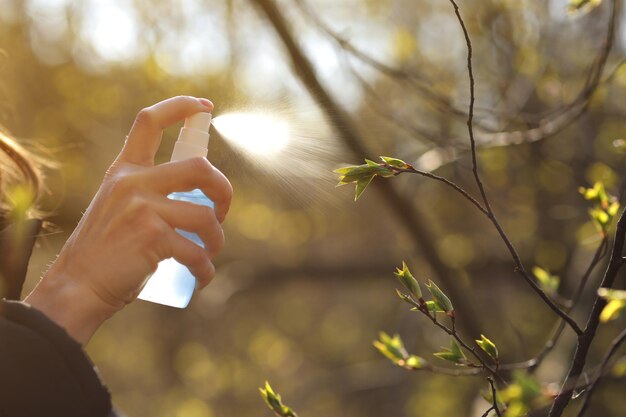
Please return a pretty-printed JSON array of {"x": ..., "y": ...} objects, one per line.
[
  {"x": 362, "y": 175},
  {"x": 275, "y": 403},
  {"x": 361, "y": 185},
  {"x": 613, "y": 310},
  {"x": 355, "y": 174},
  {"x": 453, "y": 354},
  {"x": 438, "y": 295},
  {"x": 404, "y": 297},
  {"x": 456, "y": 349},
  {"x": 408, "y": 281},
  {"x": 344, "y": 170},
  {"x": 446, "y": 355},
  {"x": 434, "y": 307},
  {"x": 395, "y": 162},
  {"x": 391, "y": 347},
  {"x": 616, "y": 304},
  {"x": 605, "y": 206},
  {"x": 597, "y": 193},
  {"x": 416, "y": 362},
  {"x": 548, "y": 282},
  {"x": 488, "y": 346}
]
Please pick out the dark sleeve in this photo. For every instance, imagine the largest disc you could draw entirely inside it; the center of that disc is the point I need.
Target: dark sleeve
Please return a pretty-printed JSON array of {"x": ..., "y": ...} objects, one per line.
[{"x": 43, "y": 371}]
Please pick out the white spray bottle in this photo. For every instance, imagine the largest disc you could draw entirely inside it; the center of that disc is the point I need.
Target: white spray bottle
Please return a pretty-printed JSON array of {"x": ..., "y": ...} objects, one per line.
[{"x": 172, "y": 284}]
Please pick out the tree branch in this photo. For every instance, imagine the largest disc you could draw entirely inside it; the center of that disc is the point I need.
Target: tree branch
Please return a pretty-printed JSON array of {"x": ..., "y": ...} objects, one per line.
[
  {"x": 584, "y": 340},
  {"x": 340, "y": 120},
  {"x": 533, "y": 363},
  {"x": 614, "y": 346},
  {"x": 494, "y": 406},
  {"x": 491, "y": 215}
]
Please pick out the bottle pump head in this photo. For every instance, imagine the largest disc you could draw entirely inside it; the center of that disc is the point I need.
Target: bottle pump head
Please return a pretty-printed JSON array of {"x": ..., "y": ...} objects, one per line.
[{"x": 193, "y": 138}]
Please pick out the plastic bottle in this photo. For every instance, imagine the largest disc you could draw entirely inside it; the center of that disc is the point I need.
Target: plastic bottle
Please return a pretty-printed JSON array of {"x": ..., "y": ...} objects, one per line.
[{"x": 172, "y": 284}]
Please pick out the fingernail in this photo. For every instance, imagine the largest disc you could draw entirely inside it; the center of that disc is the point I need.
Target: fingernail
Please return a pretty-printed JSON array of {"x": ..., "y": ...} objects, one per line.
[{"x": 206, "y": 103}]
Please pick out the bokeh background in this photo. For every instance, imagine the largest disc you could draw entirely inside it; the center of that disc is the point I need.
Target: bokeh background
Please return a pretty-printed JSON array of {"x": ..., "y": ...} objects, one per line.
[{"x": 305, "y": 283}]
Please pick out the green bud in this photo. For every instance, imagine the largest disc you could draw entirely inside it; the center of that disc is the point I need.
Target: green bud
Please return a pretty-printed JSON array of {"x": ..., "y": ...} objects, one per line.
[
  {"x": 616, "y": 305},
  {"x": 439, "y": 297},
  {"x": 488, "y": 346},
  {"x": 612, "y": 310},
  {"x": 434, "y": 307},
  {"x": 391, "y": 347},
  {"x": 395, "y": 162},
  {"x": 415, "y": 362},
  {"x": 348, "y": 175},
  {"x": 408, "y": 281},
  {"x": 453, "y": 354},
  {"x": 404, "y": 297},
  {"x": 275, "y": 403},
  {"x": 613, "y": 209},
  {"x": 547, "y": 281}
]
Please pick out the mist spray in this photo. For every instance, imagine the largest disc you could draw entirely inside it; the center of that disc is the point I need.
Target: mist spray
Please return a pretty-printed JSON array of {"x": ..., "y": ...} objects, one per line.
[{"x": 172, "y": 284}]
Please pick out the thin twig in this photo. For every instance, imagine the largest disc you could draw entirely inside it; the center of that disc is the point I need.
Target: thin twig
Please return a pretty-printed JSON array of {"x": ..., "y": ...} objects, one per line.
[
  {"x": 446, "y": 181},
  {"x": 453, "y": 332},
  {"x": 494, "y": 406},
  {"x": 422, "y": 308},
  {"x": 584, "y": 340},
  {"x": 533, "y": 363},
  {"x": 548, "y": 125},
  {"x": 491, "y": 215},
  {"x": 614, "y": 346}
]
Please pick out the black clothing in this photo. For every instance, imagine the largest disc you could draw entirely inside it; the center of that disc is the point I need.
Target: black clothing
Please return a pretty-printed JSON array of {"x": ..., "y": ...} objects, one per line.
[
  {"x": 44, "y": 372},
  {"x": 16, "y": 245}
]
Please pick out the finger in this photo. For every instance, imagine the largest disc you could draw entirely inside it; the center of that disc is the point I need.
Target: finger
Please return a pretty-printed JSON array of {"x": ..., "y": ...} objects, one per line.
[
  {"x": 192, "y": 256},
  {"x": 192, "y": 218},
  {"x": 188, "y": 175},
  {"x": 206, "y": 278},
  {"x": 144, "y": 138}
]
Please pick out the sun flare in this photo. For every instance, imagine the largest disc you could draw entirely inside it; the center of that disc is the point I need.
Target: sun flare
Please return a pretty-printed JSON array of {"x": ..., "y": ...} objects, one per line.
[{"x": 258, "y": 133}]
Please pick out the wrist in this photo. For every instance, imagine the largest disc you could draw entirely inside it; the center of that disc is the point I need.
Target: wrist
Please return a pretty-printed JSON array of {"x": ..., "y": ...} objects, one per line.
[{"x": 72, "y": 306}]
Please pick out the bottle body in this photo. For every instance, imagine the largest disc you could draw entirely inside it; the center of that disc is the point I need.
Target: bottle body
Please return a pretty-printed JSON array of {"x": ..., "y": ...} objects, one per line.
[{"x": 172, "y": 284}]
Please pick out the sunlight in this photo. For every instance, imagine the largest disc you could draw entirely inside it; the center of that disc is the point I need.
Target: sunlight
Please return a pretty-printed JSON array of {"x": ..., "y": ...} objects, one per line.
[
  {"x": 258, "y": 133},
  {"x": 111, "y": 29}
]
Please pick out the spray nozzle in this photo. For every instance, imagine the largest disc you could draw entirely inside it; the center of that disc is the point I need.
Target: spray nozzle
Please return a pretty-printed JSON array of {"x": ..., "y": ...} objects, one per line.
[
  {"x": 199, "y": 121},
  {"x": 193, "y": 139}
]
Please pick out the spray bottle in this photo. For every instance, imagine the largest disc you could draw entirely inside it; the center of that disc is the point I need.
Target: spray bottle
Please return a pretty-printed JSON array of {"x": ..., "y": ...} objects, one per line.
[{"x": 172, "y": 284}]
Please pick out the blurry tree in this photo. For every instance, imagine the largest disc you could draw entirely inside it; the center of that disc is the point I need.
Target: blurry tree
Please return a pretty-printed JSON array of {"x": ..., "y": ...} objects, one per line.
[
  {"x": 543, "y": 283},
  {"x": 385, "y": 78}
]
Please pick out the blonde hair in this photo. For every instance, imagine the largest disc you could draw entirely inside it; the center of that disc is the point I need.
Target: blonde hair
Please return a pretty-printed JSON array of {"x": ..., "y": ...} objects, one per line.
[{"x": 18, "y": 167}]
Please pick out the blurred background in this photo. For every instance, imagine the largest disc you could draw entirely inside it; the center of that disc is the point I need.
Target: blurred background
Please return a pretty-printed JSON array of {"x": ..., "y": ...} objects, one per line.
[{"x": 306, "y": 280}]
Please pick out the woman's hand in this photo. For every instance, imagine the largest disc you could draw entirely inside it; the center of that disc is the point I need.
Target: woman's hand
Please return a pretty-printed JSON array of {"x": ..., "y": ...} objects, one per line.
[{"x": 129, "y": 227}]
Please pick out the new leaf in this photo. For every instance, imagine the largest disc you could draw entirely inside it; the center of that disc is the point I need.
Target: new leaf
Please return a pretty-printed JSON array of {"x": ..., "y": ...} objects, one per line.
[
  {"x": 453, "y": 354},
  {"x": 275, "y": 403},
  {"x": 408, "y": 281},
  {"x": 488, "y": 346},
  {"x": 440, "y": 298}
]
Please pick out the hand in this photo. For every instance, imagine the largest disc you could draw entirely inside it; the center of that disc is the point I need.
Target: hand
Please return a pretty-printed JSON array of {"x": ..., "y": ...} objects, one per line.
[{"x": 129, "y": 227}]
